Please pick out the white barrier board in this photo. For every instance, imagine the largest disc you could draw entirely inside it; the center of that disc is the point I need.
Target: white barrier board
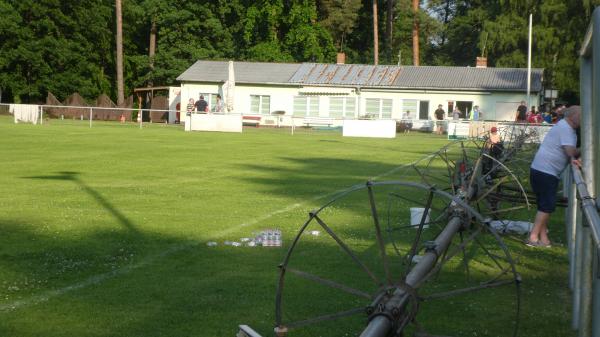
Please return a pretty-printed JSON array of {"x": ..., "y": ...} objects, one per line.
[
  {"x": 457, "y": 130},
  {"x": 213, "y": 122},
  {"x": 370, "y": 128}
]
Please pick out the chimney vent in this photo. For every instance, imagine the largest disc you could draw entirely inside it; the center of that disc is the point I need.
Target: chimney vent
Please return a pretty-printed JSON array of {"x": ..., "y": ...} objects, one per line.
[
  {"x": 341, "y": 58},
  {"x": 481, "y": 62}
]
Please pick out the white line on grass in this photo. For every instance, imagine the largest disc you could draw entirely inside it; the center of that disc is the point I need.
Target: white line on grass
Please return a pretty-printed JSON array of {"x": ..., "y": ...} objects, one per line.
[
  {"x": 97, "y": 279},
  {"x": 93, "y": 280}
]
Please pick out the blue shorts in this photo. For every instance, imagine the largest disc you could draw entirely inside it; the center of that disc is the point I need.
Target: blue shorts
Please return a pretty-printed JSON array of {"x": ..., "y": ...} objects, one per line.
[{"x": 544, "y": 186}]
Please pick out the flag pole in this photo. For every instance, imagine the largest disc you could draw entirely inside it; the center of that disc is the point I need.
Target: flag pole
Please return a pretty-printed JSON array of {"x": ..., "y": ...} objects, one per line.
[{"x": 529, "y": 63}]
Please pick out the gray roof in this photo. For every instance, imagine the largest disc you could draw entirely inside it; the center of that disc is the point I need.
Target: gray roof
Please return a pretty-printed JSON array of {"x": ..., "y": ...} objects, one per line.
[
  {"x": 423, "y": 77},
  {"x": 245, "y": 72},
  {"x": 368, "y": 76}
]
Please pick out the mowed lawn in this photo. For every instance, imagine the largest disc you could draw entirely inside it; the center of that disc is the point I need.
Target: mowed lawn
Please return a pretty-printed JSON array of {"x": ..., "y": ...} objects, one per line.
[{"x": 103, "y": 230}]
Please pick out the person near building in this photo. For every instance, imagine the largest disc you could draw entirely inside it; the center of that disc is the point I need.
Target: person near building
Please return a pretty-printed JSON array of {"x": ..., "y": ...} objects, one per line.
[
  {"x": 190, "y": 107},
  {"x": 455, "y": 113},
  {"x": 534, "y": 116},
  {"x": 547, "y": 117},
  {"x": 559, "y": 112},
  {"x": 201, "y": 105},
  {"x": 475, "y": 113},
  {"x": 407, "y": 122},
  {"x": 439, "y": 116},
  {"x": 521, "y": 113},
  {"x": 558, "y": 149},
  {"x": 218, "y": 108}
]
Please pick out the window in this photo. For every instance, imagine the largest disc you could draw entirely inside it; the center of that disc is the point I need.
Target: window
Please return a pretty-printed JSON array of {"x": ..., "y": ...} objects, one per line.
[
  {"x": 409, "y": 106},
  {"x": 424, "y": 110},
  {"x": 386, "y": 109},
  {"x": 260, "y": 105},
  {"x": 378, "y": 108},
  {"x": 465, "y": 108},
  {"x": 342, "y": 107},
  {"x": 306, "y": 106}
]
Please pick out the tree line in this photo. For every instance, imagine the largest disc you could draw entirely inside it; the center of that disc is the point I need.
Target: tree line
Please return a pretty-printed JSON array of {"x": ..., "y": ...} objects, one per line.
[{"x": 70, "y": 46}]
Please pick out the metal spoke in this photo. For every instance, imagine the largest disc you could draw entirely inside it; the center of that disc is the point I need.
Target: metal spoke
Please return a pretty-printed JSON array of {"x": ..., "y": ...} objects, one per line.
[
  {"x": 347, "y": 250},
  {"x": 465, "y": 262},
  {"x": 329, "y": 283},
  {"x": 448, "y": 257},
  {"x": 491, "y": 189},
  {"x": 488, "y": 253},
  {"x": 323, "y": 318},
  {"x": 411, "y": 226},
  {"x": 420, "y": 203},
  {"x": 386, "y": 267},
  {"x": 505, "y": 210},
  {"x": 466, "y": 290},
  {"x": 415, "y": 244}
]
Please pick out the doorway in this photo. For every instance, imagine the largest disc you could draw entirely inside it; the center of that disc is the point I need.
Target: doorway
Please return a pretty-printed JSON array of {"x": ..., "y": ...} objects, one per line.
[{"x": 423, "y": 109}]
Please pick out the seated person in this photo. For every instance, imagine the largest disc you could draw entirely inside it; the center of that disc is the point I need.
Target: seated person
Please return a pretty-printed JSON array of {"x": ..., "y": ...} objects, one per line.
[{"x": 406, "y": 121}]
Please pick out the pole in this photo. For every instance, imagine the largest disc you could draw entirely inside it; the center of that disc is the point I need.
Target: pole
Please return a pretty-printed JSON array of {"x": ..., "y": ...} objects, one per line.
[
  {"x": 90, "y": 117},
  {"x": 375, "y": 34},
  {"x": 41, "y": 114},
  {"x": 529, "y": 61}
]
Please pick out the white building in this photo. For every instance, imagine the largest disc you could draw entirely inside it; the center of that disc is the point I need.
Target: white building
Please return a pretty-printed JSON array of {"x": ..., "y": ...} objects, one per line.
[{"x": 279, "y": 91}]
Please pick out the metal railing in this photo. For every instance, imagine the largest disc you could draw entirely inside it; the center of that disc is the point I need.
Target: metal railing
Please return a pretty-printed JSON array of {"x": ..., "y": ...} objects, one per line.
[{"x": 583, "y": 221}]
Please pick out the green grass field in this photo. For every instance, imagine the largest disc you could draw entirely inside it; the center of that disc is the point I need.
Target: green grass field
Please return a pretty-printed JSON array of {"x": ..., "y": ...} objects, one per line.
[{"x": 103, "y": 232}]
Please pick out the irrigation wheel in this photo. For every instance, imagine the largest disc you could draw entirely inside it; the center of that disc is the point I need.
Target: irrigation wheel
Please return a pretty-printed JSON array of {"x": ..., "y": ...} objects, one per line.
[
  {"x": 488, "y": 180},
  {"x": 368, "y": 250}
]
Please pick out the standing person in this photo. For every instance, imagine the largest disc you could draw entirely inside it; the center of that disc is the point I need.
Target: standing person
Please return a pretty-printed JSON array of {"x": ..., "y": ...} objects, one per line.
[
  {"x": 190, "y": 107},
  {"x": 521, "y": 113},
  {"x": 475, "y": 113},
  {"x": 201, "y": 105},
  {"x": 219, "y": 105},
  {"x": 455, "y": 113},
  {"x": 494, "y": 147},
  {"x": 534, "y": 116},
  {"x": 560, "y": 108},
  {"x": 547, "y": 117},
  {"x": 439, "y": 116},
  {"x": 407, "y": 122},
  {"x": 555, "y": 153}
]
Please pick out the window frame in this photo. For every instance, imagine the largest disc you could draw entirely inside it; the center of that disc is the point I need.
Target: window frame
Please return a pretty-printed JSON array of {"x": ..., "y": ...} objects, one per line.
[
  {"x": 311, "y": 108},
  {"x": 261, "y": 102}
]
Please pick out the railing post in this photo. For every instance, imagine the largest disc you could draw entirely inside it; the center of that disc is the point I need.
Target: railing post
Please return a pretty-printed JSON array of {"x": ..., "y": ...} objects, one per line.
[
  {"x": 596, "y": 293},
  {"x": 585, "y": 315},
  {"x": 570, "y": 217},
  {"x": 578, "y": 262}
]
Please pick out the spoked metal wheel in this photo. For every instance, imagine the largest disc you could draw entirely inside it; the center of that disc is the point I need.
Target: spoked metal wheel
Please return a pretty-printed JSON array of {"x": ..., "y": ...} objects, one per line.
[
  {"x": 445, "y": 272},
  {"x": 488, "y": 179}
]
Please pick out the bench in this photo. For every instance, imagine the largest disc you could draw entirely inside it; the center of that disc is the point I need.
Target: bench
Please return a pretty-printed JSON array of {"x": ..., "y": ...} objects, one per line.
[
  {"x": 251, "y": 120},
  {"x": 317, "y": 121}
]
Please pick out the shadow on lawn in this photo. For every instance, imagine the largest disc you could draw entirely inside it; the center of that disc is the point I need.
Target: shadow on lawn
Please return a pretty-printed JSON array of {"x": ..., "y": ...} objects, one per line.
[
  {"x": 308, "y": 176},
  {"x": 107, "y": 284},
  {"x": 100, "y": 199}
]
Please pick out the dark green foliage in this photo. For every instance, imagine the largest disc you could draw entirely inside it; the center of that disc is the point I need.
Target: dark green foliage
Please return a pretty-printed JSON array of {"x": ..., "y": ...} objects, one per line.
[{"x": 68, "y": 46}]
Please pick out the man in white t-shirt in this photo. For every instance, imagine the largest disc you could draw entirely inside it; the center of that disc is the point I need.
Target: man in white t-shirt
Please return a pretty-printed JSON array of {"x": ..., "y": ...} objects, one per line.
[{"x": 555, "y": 153}]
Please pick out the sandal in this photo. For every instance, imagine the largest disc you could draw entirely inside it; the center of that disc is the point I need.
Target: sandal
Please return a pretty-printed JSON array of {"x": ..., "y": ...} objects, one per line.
[{"x": 538, "y": 244}]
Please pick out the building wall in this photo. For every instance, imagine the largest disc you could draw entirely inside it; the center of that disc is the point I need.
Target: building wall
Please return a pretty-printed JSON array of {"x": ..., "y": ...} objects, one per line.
[{"x": 493, "y": 105}]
